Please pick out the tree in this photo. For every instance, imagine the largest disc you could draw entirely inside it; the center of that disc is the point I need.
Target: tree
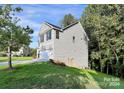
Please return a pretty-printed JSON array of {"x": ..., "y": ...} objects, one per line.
[
  {"x": 12, "y": 36},
  {"x": 105, "y": 26},
  {"x": 67, "y": 20},
  {"x": 34, "y": 52}
]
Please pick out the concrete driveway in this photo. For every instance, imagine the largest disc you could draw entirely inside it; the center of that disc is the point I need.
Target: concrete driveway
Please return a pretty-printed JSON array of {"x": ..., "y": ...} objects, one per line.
[{"x": 23, "y": 62}]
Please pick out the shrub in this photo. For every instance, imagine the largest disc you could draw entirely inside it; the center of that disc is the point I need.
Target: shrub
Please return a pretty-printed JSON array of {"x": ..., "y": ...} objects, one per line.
[
  {"x": 57, "y": 62},
  {"x": 34, "y": 56}
]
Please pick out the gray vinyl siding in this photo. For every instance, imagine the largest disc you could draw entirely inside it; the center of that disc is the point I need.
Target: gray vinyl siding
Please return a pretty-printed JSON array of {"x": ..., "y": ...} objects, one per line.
[
  {"x": 64, "y": 49},
  {"x": 69, "y": 52}
]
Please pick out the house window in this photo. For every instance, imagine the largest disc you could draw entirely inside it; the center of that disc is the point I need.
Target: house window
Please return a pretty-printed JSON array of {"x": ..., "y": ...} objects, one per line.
[
  {"x": 73, "y": 39},
  {"x": 57, "y": 34},
  {"x": 48, "y": 35},
  {"x": 42, "y": 38}
]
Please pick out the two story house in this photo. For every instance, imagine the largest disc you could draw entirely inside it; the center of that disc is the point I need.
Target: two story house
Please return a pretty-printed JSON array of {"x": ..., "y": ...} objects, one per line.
[{"x": 68, "y": 45}]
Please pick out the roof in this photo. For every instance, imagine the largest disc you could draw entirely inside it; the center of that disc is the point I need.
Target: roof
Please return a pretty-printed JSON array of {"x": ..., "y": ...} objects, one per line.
[
  {"x": 62, "y": 29},
  {"x": 54, "y": 26},
  {"x": 70, "y": 25},
  {"x": 59, "y": 28}
]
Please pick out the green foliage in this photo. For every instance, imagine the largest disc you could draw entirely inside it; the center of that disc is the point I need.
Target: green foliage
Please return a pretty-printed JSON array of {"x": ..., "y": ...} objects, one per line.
[
  {"x": 104, "y": 25},
  {"x": 67, "y": 20},
  {"x": 12, "y": 35},
  {"x": 3, "y": 54},
  {"x": 33, "y": 52}
]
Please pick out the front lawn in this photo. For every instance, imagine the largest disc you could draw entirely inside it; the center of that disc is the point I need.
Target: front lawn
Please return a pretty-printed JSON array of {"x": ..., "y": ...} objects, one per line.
[
  {"x": 48, "y": 75},
  {"x": 5, "y": 59}
]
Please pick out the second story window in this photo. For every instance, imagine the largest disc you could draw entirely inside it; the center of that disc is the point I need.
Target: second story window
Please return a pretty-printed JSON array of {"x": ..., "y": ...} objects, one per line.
[
  {"x": 57, "y": 34},
  {"x": 42, "y": 38},
  {"x": 49, "y": 35}
]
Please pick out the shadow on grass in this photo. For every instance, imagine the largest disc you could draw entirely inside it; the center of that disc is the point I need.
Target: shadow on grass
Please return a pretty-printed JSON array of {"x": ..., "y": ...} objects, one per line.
[
  {"x": 42, "y": 75},
  {"x": 50, "y": 76},
  {"x": 45, "y": 81},
  {"x": 61, "y": 81}
]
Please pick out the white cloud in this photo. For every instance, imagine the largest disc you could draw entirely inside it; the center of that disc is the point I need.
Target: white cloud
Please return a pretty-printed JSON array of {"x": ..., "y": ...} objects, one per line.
[
  {"x": 34, "y": 25},
  {"x": 26, "y": 21},
  {"x": 33, "y": 15}
]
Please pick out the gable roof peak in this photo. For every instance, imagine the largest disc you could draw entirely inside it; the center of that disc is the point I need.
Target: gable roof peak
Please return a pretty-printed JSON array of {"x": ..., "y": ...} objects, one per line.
[
  {"x": 53, "y": 26},
  {"x": 59, "y": 28},
  {"x": 68, "y": 26}
]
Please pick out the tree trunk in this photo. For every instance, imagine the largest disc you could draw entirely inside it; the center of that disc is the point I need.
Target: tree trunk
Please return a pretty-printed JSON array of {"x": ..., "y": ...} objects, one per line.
[
  {"x": 100, "y": 64},
  {"x": 91, "y": 65},
  {"x": 116, "y": 56},
  {"x": 107, "y": 68},
  {"x": 112, "y": 70},
  {"x": 10, "y": 57}
]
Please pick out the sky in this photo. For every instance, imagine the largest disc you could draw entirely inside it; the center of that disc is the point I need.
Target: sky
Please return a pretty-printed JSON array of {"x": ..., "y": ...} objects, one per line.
[{"x": 34, "y": 15}]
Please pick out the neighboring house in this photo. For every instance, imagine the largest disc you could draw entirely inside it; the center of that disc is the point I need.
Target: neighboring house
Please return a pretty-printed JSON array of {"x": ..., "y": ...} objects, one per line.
[
  {"x": 23, "y": 51},
  {"x": 68, "y": 45}
]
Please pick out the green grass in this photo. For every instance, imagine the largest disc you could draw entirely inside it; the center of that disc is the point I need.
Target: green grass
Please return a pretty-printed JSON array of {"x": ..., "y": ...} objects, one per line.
[
  {"x": 4, "y": 59},
  {"x": 48, "y": 75}
]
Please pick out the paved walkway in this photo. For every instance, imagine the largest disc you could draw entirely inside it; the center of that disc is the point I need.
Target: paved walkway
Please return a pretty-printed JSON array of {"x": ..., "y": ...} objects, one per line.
[{"x": 23, "y": 62}]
